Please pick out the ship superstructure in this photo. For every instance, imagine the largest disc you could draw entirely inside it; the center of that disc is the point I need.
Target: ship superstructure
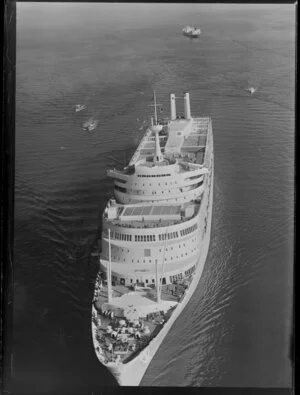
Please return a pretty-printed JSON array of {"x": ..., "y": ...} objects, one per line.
[{"x": 155, "y": 238}]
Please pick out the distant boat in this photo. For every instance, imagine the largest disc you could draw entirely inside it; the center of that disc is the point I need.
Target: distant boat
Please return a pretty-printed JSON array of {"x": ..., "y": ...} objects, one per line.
[
  {"x": 251, "y": 90},
  {"x": 90, "y": 125},
  {"x": 80, "y": 107},
  {"x": 191, "y": 31}
]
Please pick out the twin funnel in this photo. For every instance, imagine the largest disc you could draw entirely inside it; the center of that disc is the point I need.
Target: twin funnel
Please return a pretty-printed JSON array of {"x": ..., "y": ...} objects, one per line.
[
  {"x": 158, "y": 157},
  {"x": 187, "y": 106}
]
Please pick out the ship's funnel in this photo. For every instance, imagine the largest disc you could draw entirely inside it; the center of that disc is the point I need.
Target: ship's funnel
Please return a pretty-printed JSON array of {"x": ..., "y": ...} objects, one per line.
[
  {"x": 173, "y": 106},
  {"x": 187, "y": 107}
]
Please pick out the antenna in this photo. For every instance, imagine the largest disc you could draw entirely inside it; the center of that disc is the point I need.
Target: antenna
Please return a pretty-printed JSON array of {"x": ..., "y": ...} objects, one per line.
[
  {"x": 108, "y": 270},
  {"x": 155, "y": 109}
]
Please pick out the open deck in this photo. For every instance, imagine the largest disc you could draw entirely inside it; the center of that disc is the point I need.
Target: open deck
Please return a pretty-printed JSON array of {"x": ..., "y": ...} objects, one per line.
[
  {"x": 152, "y": 215},
  {"x": 132, "y": 319},
  {"x": 194, "y": 141}
]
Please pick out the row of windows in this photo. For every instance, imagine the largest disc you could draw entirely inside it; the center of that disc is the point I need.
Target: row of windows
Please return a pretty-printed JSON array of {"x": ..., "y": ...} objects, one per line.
[
  {"x": 142, "y": 192},
  {"x": 166, "y": 236},
  {"x": 176, "y": 277},
  {"x": 153, "y": 175},
  {"x": 151, "y": 238},
  {"x": 122, "y": 236},
  {"x": 144, "y": 238},
  {"x": 167, "y": 258},
  {"x": 190, "y": 271},
  {"x": 188, "y": 230}
]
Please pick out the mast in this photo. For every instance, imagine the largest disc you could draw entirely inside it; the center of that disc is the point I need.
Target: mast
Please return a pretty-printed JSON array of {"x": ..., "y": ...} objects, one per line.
[
  {"x": 109, "y": 269},
  {"x": 155, "y": 109},
  {"x": 157, "y": 282}
]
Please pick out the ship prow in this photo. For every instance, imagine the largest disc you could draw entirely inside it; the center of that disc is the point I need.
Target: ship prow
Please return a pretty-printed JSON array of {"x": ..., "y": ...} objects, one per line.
[{"x": 155, "y": 239}]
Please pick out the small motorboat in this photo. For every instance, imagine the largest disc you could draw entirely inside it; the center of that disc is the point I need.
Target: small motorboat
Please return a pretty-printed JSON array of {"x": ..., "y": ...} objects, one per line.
[
  {"x": 80, "y": 107},
  {"x": 251, "y": 90},
  {"x": 90, "y": 125},
  {"x": 191, "y": 31}
]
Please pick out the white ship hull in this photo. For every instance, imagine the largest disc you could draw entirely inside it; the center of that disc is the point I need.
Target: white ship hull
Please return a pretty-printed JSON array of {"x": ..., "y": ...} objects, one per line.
[{"x": 192, "y": 185}]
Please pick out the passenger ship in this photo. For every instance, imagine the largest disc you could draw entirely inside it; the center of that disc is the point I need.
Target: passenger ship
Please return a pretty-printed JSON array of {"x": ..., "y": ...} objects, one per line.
[{"x": 155, "y": 239}]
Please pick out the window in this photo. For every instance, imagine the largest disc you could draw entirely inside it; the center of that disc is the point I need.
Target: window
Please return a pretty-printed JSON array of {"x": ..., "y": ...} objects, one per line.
[{"x": 147, "y": 252}]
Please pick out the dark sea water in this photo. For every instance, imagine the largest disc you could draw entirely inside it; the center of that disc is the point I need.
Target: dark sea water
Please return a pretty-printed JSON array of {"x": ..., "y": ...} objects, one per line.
[{"x": 236, "y": 329}]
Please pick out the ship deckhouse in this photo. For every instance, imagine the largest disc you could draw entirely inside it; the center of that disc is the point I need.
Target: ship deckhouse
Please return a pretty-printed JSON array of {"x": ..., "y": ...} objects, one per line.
[{"x": 156, "y": 214}]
